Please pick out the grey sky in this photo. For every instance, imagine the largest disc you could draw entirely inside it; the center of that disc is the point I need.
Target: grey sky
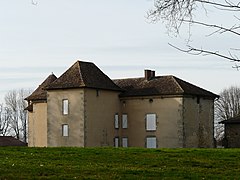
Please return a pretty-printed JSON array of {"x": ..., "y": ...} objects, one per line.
[{"x": 115, "y": 35}]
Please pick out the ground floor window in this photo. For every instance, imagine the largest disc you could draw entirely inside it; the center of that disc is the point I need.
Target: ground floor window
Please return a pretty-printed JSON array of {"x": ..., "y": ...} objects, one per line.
[
  {"x": 65, "y": 130},
  {"x": 151, "y": 142},
  {"x": 116, "y": 142},
  {"x": 124, "y": 142}
]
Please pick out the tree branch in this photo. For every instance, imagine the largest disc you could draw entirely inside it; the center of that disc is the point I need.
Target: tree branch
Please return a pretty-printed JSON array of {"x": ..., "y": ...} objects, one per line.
[
  {"x": 228, "y": 6},
  {"x": 195, "y": 51},
  {"x": 221, "y": 28}
]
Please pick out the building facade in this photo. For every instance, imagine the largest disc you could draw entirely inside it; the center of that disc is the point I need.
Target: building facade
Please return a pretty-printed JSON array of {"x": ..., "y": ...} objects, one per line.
[
  {"x": 85, "y": 108},
  {"x": 231, "y": 132}
]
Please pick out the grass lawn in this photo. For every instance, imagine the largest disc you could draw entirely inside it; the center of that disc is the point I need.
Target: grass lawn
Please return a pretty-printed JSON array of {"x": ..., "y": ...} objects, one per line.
[{"x": 118, "y": 163}]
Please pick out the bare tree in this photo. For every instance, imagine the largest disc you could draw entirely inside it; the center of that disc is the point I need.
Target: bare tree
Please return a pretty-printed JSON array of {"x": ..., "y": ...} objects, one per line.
[
  {"x": 176, "y": 13},
  {"x": 22, "y": 104},
  {"x": 4, "y": 120},
  {"x": 227, "y": 106},
  {"x": 15, "y": 103}
]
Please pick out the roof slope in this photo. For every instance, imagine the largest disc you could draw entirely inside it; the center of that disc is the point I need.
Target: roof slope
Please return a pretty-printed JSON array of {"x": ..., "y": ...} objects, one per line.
[
  {"x": 40, "y": 93},
  {"x": 84, "y": 74},
  {"x": 10, "y": 141},
  {"x": 234, "y": 120},
  {"x": 160, "y": 85}
]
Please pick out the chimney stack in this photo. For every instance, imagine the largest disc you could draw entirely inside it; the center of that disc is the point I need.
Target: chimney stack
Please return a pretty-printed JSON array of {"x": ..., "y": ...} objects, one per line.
[{"x": 149, "y": 74}]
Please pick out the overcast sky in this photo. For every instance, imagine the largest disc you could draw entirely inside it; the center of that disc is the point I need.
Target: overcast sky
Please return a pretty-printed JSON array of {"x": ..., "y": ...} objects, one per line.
[{"x": 36, "y": 40}]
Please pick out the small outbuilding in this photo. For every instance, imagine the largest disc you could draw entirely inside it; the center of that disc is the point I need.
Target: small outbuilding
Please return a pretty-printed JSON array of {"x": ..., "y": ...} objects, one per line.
[
  {"x": 11, "y": 141},
  {"x": 232, "y": 132}
]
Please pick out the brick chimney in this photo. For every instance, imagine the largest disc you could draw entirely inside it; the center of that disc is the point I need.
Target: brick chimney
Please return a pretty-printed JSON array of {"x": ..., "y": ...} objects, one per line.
[{"x": 149, "y": 74}]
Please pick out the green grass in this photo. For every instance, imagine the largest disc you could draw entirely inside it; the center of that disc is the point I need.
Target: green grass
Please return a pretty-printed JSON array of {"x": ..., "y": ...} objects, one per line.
[{"x": 111, "y": 163}]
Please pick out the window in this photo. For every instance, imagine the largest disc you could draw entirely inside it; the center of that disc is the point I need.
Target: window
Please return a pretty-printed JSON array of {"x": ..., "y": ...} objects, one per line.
[
  {"x": 125, "y": 142},
  {"x": 124, "y": 121},
  {"x": 116, "y": 121},
  {"x": 151, "y": 122},
  {"x": 151, "y": 142},
  {"x": 116, "y": 142},
  {"x": 65, "y": 106},
  {"x": 97, "y": 92},
  {"x": 65, "y": 130}
]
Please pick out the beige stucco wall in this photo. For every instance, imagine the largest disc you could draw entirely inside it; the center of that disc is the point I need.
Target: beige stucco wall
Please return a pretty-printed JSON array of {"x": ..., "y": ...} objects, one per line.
[
  {"x": 37, "y": 125},
  {"x": 198, "y": 122},
  {"x": 169, "y": 131},
  {"x": 100, "y": 108},
  {"x": 181, "y": 122},
  {"x": 75, "y": 118}
]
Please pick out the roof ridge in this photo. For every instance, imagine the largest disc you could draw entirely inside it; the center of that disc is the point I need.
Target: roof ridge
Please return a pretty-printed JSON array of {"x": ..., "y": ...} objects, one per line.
[
  {"x": 128, "y": 78},
  {"x": 80, "y": 74},
  {"x": 174, "y": 78}
]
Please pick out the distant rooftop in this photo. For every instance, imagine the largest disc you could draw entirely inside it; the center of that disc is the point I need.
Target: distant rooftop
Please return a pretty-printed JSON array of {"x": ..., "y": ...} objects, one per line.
[{"x": 10, "y": 141}]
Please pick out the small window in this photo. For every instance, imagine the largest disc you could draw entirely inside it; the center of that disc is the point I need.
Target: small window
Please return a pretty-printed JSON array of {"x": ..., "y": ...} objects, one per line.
[
  {"x": 151, "y": 122},
  {"x": 65, "y": 106},
  {"x": 116, "y": 121},
  {"x": 151, "y": 142},
  {"x": 124, "y": 121},
  {"x": 125, "y": 142},
  {"x": 65, "y": 130},
  {"x": 97, "y": 93},
  {"x": 116, "y": 142}
]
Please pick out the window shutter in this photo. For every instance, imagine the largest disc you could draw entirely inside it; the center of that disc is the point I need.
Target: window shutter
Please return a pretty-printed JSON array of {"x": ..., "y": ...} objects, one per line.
[
  {"x": 125, "y": 142},
  {"x": 65, "y": 106},
  {"x": 124, "y": 121},
  {"x": 151, "y": 122},
  {"x": 116, "y": 142},
  {"x": 65, "y": 130},
  {"x": 116, "y": 121},
  {"x": 151, "y": 142}
]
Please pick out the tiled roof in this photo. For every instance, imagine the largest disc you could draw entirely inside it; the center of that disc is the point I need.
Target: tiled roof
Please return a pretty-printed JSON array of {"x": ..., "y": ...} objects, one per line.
[
  {"x": 29, "y": 107},
  {"x": 160, "y": 85},
  {"x": 10, "y": 141},
  {"x": 40, "y": 93},
  {"x": 234, "y": 120},
  {"x": 84, "y": 74}
]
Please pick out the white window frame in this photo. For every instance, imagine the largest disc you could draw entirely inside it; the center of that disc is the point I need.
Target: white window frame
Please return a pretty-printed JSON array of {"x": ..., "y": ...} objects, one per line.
[
  {"x": 124, "y": 121},
  {"x": 65, "y": 130},
  {"x": 116, "y": 142},
  {"x": 65, "y": 106},
  {"x": 151, "y": 142},
  {"x": 125, "y": 142},
  {"x": 151, "y": 122},
  {"x": 116, "y": 121}
]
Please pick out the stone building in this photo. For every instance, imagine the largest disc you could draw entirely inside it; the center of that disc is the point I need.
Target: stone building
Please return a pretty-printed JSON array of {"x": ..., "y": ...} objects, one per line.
[
  {"x": 232, "y": 132},
  {"x": 85, "y": 108}
]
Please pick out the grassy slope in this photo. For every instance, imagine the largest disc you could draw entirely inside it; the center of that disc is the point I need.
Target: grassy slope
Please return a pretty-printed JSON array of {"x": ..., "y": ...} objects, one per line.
[{"x": 110, "y": 163}]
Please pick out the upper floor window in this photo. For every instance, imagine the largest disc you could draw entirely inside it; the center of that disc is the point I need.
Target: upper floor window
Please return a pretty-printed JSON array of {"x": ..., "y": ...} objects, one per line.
[
  {"x": 65, "y": 106},
  {"x": 124, "y": 121},
  {"x": 151, "y": 122},
  {"x": 65, "y": 130},
  {"x": 116, "y": 121}
]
